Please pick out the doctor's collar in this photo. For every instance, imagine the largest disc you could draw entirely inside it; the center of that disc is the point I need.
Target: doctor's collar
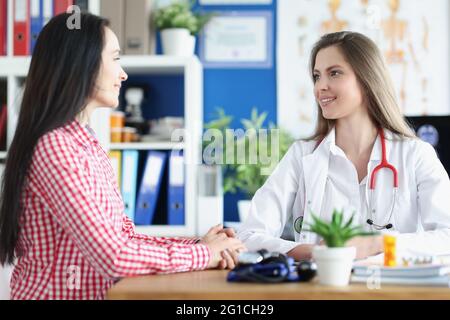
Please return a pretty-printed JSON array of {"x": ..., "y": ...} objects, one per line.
[{"x": 329, "y": 144}]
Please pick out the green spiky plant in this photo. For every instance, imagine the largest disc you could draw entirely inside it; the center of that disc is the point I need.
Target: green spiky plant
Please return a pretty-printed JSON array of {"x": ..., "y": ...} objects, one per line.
[
  {"x": 179, "y": 14},
  {"x": 337, "y": 232},
  {"x": 246, "y": 178}
]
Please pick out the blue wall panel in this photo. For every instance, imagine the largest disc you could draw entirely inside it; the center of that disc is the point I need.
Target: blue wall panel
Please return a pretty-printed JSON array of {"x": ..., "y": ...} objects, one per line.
[{"x": 237, "y": 90}]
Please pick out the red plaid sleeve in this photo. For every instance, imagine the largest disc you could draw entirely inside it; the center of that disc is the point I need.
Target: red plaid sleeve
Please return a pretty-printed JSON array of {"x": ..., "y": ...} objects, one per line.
[{"x": 130, "y": 230}]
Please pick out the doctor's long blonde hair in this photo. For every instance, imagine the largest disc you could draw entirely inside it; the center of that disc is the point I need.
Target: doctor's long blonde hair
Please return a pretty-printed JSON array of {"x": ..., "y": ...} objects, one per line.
[{"x": 372, "y": 73}]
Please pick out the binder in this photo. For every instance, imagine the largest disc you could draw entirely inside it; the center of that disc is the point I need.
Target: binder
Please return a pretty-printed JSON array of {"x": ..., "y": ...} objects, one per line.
[
  {"x": 3, "y": 26},
  {"x": 129, "y": 180},
  {"x": 21, "y": 28},
  {"x": 116, "y": 162},
  {"x": 60, "y": 6},
  {"x": 176, "y": 206},
  {"x": 150, "y": 187},
  {"x": 36, "y": 21},
  {"x": 47, "y": 11},
  {"x": 114, "y": 10},
  {"x": 139, "y": 37}
]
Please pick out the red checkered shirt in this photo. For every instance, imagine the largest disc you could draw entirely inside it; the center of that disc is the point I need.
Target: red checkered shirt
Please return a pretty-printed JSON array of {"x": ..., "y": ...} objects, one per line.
[{"x": 75, "y": 240}]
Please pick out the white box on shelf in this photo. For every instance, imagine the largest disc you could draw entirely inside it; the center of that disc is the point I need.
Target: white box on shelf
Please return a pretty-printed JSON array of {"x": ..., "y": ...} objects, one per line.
[{"x": 210, "y": 198}]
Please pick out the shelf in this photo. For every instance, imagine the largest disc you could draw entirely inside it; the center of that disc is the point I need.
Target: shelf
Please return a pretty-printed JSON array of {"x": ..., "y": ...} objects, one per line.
[
  {"x": 150, "y": 64},
  {"x": 165, "y": 231},
  {"x": 158, "y": 64},
  {"x": 16, "y": 66},
  {"x": 147, "y": 146}
]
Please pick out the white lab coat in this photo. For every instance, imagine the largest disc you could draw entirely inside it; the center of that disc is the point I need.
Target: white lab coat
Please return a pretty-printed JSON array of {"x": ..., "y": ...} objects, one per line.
[{"x": 421, "y": 215}]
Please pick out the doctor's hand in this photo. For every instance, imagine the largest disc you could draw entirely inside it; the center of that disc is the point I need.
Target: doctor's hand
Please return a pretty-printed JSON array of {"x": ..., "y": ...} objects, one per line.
[
  {"x": 224, "y": 247},
  {"x": 366, "y": 246}
]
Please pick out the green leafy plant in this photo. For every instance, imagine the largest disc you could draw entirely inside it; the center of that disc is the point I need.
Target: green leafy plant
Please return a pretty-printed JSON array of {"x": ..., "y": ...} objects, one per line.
[
  {"x": 337, "y": 232},
  {"x": 180, "y": 15},
  {"x": 247, "y": 177}
]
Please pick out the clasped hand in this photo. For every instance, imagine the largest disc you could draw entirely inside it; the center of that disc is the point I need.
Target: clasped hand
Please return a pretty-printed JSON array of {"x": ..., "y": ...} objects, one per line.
[{"x": 224, "y": 246}]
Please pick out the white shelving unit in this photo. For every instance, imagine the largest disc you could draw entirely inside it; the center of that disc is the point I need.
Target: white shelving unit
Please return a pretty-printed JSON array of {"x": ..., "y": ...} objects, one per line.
[
  {"x": 15, "y": 69},
  {"x": 191, "y": 145}
]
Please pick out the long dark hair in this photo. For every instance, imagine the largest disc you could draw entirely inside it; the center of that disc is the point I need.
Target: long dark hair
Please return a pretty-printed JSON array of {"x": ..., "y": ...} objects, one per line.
[{"x": 61, "y": 80}]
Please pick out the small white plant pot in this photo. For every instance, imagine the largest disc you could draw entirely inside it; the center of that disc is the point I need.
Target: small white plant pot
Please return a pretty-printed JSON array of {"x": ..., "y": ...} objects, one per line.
[
  {"x": 177, "y": 42},
  {"x": 334, "y": 265}
]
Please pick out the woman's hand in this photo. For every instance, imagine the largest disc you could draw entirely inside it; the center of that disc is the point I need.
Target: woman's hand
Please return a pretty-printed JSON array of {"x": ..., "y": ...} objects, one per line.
[
  {"x": 366, "y": 246},
  {"x": 224, "y": 247},
  {"x": 301, "y": 252}
]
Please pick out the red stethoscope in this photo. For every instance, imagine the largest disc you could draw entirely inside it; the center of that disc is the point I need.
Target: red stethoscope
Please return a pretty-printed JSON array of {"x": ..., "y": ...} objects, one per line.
[{"x": 383, "y": 165}]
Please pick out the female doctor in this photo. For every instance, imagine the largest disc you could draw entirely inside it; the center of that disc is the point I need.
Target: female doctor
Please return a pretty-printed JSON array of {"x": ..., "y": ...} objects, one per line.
[{"x": 363, "y": 155}]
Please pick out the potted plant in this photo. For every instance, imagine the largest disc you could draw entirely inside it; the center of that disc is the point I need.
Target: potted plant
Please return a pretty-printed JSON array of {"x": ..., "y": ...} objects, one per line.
[
  {"x": 334, "y": 260},
  {"x": 247, "y": 177},
  {"x": 179, "y": 25}
]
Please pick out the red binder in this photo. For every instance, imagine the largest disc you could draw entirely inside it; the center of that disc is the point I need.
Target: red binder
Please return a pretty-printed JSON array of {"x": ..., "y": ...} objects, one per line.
[
  {"x": 60, "y": 6},
  {"x": 22, "y": 27},
  {"x": 3, "y": 24}
]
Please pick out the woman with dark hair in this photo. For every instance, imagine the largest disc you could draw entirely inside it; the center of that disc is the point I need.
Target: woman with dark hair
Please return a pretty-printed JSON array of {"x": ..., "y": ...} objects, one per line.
[{"x": 62, "y": 220}]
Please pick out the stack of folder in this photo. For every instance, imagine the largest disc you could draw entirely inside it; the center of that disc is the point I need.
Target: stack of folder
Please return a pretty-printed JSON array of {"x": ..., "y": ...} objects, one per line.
[
  {"x": 153, "y": 188},
  {"x": 130, "y": 20},
  {"x": 29, "y": 17},
  {"x": 418, "y": 275}
]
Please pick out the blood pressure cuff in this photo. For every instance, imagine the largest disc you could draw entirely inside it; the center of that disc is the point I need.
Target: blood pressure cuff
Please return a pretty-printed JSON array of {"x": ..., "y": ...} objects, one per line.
[{"x": 274, "y": 269}]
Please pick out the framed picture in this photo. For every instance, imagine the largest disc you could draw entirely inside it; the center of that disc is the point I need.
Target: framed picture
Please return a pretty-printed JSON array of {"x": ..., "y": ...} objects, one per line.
[
  {"x": 413, "y": 36},
  {"x": 238, "y": 40}
]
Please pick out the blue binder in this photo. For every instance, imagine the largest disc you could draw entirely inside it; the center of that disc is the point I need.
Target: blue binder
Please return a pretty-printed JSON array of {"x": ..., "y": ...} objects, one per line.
[
  {"x": 36, "y": 21},
  {"x": 176, "y": 188},
  {"x": 130, "y": 159},
  {"x": 150, "y": 187}
]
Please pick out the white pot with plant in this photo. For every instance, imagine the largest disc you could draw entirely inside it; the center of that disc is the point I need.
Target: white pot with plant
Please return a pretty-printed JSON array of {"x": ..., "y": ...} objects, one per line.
[
  {"x": 178, "y": 25},
  {"x": 334, "y": 260},
  {"x": 244, "y": 167}
]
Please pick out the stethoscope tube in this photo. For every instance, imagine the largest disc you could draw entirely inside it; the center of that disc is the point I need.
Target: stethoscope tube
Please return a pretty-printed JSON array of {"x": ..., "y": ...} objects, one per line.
[
  {"x": 383, "y": 165},
  {"x": 298, "y": 223}
]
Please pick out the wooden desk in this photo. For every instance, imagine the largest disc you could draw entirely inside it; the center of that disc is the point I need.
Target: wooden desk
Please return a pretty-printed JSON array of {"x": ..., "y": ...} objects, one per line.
[{"x": 212, "y": 285}]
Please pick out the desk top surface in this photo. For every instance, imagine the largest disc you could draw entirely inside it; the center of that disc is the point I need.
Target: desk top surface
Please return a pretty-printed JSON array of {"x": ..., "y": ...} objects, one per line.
[{"x": 212, "y": 285}]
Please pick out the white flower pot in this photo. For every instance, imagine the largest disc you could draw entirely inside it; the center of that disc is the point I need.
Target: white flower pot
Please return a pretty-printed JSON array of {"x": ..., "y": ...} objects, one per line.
[
  {"x": 244, "y": 209},
  {"x": 177, "y": 42},
  {"x": 334, "y": 265}
]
